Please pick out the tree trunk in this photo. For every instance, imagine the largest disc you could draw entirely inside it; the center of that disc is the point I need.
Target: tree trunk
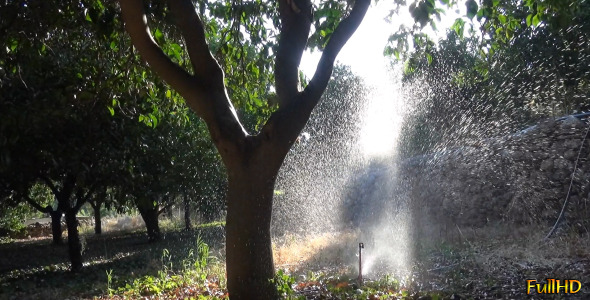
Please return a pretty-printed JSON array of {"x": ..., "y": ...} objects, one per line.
[
  {"x": 187, "y": 213},
  {"x": 170, "y": 213},
  {"x": 97, "y": 219},
  {"x": 248, "y": 246},
  {"x": 74, "y": 244},
  {"x": 56, "y": 226},
  {"x": 150, "y": 218}
]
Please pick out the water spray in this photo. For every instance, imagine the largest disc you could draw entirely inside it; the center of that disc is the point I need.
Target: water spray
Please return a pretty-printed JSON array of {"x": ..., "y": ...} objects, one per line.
[{"x": 361, "y": 247}]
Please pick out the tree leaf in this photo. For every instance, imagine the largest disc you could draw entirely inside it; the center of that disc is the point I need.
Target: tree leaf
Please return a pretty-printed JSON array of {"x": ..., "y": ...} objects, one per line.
[
  {"x": 472, "y": 8},
  {"x": 529, "y": 20},
  {"x": 536, "y": 20},
  {"x": 459, "y": 27}
]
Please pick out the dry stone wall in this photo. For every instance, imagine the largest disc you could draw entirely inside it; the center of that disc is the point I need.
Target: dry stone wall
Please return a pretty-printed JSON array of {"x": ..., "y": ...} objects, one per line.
[{"x": 521, "y": 178}]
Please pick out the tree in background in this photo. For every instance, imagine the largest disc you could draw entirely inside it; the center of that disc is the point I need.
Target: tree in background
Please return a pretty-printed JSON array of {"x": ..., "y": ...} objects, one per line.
[
  {"x": 252, "y": 161},
  {"x": 79, "y": 118},
  {"x": 528, "y": 61}
]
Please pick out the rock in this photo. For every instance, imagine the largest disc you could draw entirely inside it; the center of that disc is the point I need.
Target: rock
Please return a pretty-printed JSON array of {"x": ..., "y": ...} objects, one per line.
[
  {"x": 570, "y": 154},
  {"x": 547, "y": 126},
  {"x": 571, "y": 122},
  {"x": 563, "y": 164},
  {"x": 541, "y": 154},
  {"x": 572, "y": 144}
]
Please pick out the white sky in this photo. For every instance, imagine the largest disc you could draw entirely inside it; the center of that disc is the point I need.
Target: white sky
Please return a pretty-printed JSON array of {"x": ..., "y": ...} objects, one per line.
[{"x": 364, "y": 51}]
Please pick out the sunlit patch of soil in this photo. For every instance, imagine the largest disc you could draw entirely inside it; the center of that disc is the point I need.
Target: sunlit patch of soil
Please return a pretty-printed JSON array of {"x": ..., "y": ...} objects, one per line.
[{"x": 315, "y": 252}]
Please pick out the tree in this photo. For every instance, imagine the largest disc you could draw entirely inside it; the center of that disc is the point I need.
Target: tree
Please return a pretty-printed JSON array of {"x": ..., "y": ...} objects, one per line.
[
  {"x": 13, "y": 209},
  {"x": 499, "y": 20},
  {"x": 70, "y": 114},
  {"x": 467, "y": 91},
  {"x": 252, "y": 161}
]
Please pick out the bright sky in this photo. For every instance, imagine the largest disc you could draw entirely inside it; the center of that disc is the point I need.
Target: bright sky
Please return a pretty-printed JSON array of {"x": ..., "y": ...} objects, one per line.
[{"x": 364, "y": 51}]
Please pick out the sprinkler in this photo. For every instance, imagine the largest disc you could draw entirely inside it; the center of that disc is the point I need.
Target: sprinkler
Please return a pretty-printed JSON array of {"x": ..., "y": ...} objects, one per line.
[{"x": 361, "y": 246}]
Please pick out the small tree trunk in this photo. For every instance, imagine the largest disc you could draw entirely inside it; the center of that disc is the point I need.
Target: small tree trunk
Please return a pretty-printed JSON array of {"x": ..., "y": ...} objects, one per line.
[
  {"x": 150, "y": 218},
  {"x": 97, "y": 219},
  {"x": 187, "y": 213},
  {"x": 56, "y": 226},
  {"x": 170, "y": 213},
  {"x": 74, "y": 244},
  {"x": 248, "y": 246}
]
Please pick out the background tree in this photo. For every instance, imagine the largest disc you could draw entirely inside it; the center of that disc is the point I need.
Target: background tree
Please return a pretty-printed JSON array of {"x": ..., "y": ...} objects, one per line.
[
  {"x": 78, "y": 116},
  {"x": 474, "y": 85}
]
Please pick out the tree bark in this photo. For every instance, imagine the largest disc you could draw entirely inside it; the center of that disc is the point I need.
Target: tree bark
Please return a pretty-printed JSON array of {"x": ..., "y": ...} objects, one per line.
[
  {"x": 187, "y": 213},
  {"x": 55, "y": 219},
  {"x": 74, "y": 244},
  {"x": 97, "y": 219},
  {"x": 150, "y": 218},
  {"x": 56, "y": 225},
  {"x": 249, "y": 262},
  {"x": 251, "y": 178}
]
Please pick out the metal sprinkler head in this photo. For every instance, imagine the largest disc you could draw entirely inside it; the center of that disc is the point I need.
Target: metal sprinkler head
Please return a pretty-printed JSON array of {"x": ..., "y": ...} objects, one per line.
[{"x": 361, "y": 246}]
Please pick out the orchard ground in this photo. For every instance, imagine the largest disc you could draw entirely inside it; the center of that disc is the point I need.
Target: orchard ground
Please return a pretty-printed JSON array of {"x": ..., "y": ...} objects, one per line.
[{"x": 485, "y": 263}]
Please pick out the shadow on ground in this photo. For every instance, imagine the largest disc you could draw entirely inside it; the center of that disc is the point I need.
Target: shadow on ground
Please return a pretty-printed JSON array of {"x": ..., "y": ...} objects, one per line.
[{"x": 36, "y": 269}]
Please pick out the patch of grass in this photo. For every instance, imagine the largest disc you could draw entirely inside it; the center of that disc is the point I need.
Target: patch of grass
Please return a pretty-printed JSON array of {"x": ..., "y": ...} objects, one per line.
[
  {"x": 321, "y": 285},
  {"x": 6, "y": 240},
  {"x": 198, "y": 275},
  {"x": 212, "y": 224}
]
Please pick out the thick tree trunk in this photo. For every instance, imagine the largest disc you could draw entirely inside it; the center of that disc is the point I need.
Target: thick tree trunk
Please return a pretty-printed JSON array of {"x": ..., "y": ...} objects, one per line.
[
  {"x": 74, "y": 244},
  {"x": 97, "y": 219},
  {"x": 248, "y": 246},
  {"x": 150, "y": 218},
  {"x": 56, "y": 226},
  {"x": 187, "y": 213}
]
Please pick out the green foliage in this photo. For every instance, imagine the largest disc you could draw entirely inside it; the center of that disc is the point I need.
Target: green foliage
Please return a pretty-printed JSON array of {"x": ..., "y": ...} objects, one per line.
[
  {"x": 71, "y": 86},
  {"x": 13, "y": 212},
  {"x": 464, "y": 92},
  {"x": 284, "y": 283},
  {"x": 12, "y": 219},
  {"x": 498, "y": 21}
]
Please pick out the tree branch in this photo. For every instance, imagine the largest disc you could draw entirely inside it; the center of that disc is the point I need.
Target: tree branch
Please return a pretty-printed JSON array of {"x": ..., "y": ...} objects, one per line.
[
  {"x": 83, "y": 198},
  {"x": 295, "y": 25},
  {"x": 204, "y": 64},
  {"x": 342, "y": 33},
  {"x": 291, "y": 117},
  {"x": 36, "y": 205},
  {"x": 165, "y": 208},
  {"x": 204, "y": 93},
  {"x": 138, "y": 29},
  {"x": 50, "y": 184}
]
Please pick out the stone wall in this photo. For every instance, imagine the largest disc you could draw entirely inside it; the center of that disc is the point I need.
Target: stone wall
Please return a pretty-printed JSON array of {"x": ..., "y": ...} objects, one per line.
[{"x": 521, "y": 178}]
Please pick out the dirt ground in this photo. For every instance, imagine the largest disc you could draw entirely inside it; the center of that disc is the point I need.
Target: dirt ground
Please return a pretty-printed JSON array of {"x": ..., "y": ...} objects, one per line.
[
  {"x": 487, "y": 263},
  {"x": 484, "y": 263}
]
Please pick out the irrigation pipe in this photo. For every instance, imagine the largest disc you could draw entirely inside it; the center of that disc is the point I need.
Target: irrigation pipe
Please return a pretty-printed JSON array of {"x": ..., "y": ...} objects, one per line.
[{"x": 569, "y": 190}]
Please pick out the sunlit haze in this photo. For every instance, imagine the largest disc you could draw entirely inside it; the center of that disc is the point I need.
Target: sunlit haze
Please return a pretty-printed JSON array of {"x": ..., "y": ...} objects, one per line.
[{"x": 364, "y": 54}]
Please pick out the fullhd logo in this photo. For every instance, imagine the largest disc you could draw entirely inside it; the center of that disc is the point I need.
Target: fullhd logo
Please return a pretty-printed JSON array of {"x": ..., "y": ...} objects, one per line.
[{"x": 553, "y": 286}]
